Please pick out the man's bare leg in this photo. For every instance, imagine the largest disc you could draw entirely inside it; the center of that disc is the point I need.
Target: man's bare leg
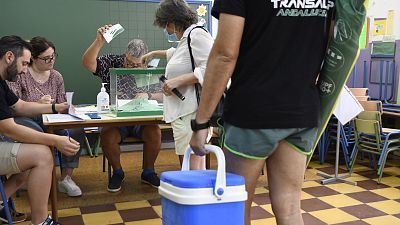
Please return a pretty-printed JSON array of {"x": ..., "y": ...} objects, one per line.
[{"x": 39, "y": 160}]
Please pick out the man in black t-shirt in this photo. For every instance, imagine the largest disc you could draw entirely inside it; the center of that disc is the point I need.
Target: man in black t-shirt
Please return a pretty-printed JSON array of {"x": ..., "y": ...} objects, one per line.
[
  {"x": 31, "y": 160},
  {"x": 272, "y": 50}
]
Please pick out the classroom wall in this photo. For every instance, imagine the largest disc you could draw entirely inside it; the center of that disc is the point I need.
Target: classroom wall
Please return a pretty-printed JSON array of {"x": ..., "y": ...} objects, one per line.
[
  {"x": 367, "y": 74},
  {"x": 380, "y": 9},
  {"x": 71, "y": 25}
]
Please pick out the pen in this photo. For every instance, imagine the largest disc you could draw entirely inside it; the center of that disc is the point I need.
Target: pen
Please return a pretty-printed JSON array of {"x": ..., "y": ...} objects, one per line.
[
  {"x": 67, "y": 132},
  {"x": 39, "y": 91}
]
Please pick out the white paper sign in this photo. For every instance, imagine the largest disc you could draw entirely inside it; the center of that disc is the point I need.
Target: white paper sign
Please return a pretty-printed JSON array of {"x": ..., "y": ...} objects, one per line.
[
  {"x": 347, "y": 106},
  {"x": 112, "y": 32},
  {"x": 69, "y": 96}
]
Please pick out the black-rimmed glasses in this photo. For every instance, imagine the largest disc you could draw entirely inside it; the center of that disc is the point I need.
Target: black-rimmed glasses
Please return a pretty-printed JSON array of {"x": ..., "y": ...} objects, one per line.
[{"x": 49, "y": 59}]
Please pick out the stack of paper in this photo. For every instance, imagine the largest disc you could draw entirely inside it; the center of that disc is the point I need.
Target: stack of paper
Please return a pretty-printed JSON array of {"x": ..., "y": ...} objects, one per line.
[
  {"x": 60, "y": 118},
  {"x": 112, "y": 32}
]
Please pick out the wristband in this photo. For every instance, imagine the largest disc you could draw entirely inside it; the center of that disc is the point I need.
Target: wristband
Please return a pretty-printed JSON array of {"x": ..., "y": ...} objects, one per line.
[{"x": 53, "y": 108}]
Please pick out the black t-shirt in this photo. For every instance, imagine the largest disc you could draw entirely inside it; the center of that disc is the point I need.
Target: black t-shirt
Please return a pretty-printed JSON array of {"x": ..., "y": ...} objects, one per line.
[
  {"x": 281, "y": 52},
  {"x": 7, "y": 99}
]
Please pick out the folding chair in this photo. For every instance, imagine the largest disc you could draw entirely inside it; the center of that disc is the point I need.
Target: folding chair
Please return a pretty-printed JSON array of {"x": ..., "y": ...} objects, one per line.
[
  {"x": 4, "y": 198},
  {"x": 371, "y": 138}
]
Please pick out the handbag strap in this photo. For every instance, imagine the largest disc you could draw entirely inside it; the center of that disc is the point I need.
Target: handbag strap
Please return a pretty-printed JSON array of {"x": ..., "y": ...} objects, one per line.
[{"x": 196, "y": 86}]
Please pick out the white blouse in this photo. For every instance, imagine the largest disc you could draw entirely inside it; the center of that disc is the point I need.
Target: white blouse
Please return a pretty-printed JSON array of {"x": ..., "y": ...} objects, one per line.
[{"x": 178, "y": 63}]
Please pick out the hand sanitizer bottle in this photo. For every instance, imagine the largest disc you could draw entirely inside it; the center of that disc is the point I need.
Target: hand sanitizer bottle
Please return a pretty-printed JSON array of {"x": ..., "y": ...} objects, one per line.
[{"x": 103, "y": 100}]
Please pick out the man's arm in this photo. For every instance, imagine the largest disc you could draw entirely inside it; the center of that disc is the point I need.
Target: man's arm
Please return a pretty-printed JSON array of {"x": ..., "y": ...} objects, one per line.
[
  {"x": 220, "y": 66},
  {"x": 23, "y": 134},
  {"x": 90, "y": 55},
  {"x": 31, "y": 109}
]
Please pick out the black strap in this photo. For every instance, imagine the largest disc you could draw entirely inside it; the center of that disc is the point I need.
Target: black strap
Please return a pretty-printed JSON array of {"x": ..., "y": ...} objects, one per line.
[{"x": 197, "y": 86}]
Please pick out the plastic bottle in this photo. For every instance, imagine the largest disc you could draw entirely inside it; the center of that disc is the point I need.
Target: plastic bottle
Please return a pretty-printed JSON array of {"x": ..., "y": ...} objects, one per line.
[{"x": 103, "y": 100}]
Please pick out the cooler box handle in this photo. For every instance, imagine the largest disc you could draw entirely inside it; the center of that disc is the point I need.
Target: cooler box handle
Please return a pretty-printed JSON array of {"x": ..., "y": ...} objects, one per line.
[{"x": 220, "y": 182}]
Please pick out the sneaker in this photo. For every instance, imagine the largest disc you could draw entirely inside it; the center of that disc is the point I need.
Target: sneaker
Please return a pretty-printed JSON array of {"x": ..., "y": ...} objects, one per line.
[
  {"x": 17, "y": 217},
  {"x": 50, "y": 221},
  {"x": 151, "y": 179},
  {"x": 114, "y": 185},
  {"x": 69, "y": 187}
]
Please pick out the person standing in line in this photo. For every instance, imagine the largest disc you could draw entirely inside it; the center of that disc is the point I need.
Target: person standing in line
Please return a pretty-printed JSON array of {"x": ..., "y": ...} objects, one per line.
[
  {"x": 179, "y": 21},
  {"x": 271, "y": 109}
]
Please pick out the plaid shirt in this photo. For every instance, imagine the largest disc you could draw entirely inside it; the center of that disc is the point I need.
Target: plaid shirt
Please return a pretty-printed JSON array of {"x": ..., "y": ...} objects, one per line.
[{"x": 127, "y": 87}]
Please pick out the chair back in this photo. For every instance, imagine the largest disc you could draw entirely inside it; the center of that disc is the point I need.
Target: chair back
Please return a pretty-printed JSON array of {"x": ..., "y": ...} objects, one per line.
[
  {"x": 359, "y": 91},
  {"x": 368, "y": 135},
  {"x": 372, "y": 106},
  {"x": 362, "y": 98},
  {"x": 370, "y": 115}
]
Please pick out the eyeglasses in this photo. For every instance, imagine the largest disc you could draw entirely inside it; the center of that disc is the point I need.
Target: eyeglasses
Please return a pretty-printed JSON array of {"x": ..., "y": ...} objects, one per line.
[
  {"x": 49, "y": 59},
  {"x": 130, "y": 64}
]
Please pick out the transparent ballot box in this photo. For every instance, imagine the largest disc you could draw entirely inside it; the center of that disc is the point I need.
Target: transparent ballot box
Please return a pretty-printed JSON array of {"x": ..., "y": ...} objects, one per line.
[{"x": 126, "y": 83}]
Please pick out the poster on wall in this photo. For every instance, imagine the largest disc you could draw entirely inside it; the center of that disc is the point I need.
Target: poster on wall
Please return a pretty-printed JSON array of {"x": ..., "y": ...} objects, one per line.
[{"x": 379, "y": 27}]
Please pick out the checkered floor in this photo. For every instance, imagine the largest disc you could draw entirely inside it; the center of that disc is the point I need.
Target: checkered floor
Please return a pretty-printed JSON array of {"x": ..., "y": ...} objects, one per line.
[{"x": 335, "y": 203}]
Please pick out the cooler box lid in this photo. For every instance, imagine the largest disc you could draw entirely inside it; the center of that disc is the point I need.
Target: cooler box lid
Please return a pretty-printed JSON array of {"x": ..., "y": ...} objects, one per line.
[{"x": 198, "y": 179}]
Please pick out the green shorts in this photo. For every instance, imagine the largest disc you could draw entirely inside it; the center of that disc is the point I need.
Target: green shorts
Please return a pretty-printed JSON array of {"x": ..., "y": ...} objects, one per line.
[{"x": 261, "y": 143}]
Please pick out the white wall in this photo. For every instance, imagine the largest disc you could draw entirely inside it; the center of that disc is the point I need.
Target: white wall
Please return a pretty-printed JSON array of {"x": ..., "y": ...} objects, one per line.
[
  {"x": 214, "y": 25},
  {"x": 380, "y": 8}
]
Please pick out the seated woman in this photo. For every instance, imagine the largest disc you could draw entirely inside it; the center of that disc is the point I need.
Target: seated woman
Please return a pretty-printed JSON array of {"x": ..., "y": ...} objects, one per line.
[{"x": 43, "y": 84}]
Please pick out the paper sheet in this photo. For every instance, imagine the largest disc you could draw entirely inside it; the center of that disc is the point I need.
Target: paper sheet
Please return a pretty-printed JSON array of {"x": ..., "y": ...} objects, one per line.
[
  {"x": 347, "y": 106},
  {"x": 61, "y": 118},
  {"x": 69, "y": 96},
  {"x": 112, "y": 32}
]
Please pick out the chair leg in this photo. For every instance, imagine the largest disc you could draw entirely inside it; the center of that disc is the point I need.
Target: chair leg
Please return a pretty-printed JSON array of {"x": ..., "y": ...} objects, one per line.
[
  {"x": 346, "y": 155},
  {"x": 353, "y": 161},
  {"x": 208, "y": 161},
  {"x": 89, "y": 149},
  {"x": 59, "y": 159},
  {"x": 97, "y": 146},
  {"x": 109, "y": 171},
  {"x": 104, "y": 163},
  {"x": 382, "y": 166},
  {"x": 6, "y": 208}
]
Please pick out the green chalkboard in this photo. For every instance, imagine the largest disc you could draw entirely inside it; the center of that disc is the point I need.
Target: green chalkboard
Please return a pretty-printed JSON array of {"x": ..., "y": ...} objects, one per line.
[
  {"x": 383, "y": 49},
  {"x": 71, "y": 25}
]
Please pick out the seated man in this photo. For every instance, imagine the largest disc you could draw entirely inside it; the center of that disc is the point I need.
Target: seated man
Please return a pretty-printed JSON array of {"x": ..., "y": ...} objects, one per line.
[
  {"x": 111, "y": 137},
  {"x": 30, "y": 161}
]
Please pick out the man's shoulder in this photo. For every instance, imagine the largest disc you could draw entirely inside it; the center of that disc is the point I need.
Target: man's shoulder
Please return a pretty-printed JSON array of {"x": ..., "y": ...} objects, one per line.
[{"x": 111, "y": 57}]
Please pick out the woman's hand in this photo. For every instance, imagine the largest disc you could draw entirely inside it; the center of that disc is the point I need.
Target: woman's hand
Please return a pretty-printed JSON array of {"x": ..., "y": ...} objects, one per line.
[
  {"x": 171, "y": 84},
  {"x": 45, "y": 99},
  {"x": 62, "y": 107},
  {"x": 142, "y": 95},
  {"x": 145, "y": 59}
]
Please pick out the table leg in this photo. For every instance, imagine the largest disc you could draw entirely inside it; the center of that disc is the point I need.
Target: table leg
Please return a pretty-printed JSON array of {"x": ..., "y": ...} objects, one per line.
[{"x": 53, "y": 190}]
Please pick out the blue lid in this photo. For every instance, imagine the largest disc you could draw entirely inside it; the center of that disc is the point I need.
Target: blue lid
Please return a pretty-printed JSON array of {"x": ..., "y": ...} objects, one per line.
[{"x": 198, "y": 178}]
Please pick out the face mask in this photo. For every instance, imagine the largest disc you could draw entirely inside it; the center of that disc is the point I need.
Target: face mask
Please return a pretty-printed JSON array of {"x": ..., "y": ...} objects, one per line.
[{"x": 170, "y": 37}]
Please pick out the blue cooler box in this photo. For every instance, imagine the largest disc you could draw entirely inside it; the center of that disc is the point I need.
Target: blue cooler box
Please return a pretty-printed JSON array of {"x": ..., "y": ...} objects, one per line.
[{"x": 202, "y": 197}]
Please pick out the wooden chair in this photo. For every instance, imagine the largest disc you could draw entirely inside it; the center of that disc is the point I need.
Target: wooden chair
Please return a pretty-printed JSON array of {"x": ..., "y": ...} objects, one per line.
[
  {"x": 362, "y": 98},
  {"x": 359, "y": 91},
  {"x": 372, "y": 106}
]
